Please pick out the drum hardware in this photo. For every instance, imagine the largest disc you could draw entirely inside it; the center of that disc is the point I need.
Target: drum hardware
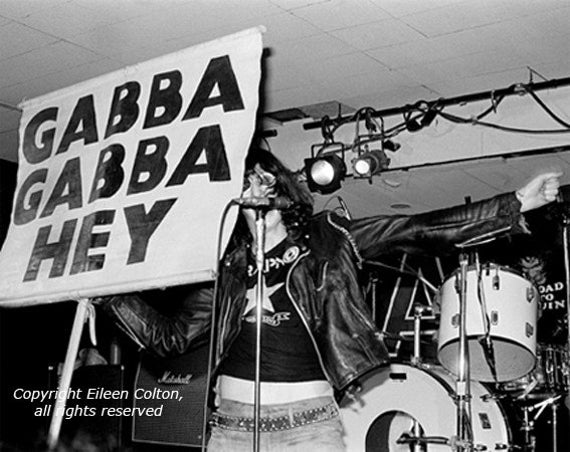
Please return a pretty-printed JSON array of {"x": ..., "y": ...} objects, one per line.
[
  {"x": 452, "y": 442},
  {"x": 418, "y": 314},
  {"x": 485, "y": 340},
  {"x": 462, "y": 387},
  {"x": 400, "y": 337},
  {"x": 529, "y": 422}
]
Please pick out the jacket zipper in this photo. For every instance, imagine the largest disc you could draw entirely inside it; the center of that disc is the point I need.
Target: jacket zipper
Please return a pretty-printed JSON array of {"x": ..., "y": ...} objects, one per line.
[{"x": 302, "y": 317}]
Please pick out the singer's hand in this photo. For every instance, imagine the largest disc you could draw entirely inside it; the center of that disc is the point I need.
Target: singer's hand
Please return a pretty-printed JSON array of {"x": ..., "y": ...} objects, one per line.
[
  {"x": 540, "y": 191},
  {"x": 261, "y": 184}
]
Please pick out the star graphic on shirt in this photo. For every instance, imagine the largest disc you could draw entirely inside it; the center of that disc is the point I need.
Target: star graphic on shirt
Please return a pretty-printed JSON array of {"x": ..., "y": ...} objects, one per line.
[{"x": 267, "y": 292}]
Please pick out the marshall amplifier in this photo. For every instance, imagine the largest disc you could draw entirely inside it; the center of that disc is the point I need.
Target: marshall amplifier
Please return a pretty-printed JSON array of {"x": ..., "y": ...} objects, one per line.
[{"x": 170, "y": 396}]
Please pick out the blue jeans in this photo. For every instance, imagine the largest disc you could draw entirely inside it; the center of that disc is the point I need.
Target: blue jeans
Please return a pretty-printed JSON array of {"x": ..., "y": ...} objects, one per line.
[{"x": 321, "y": 436}]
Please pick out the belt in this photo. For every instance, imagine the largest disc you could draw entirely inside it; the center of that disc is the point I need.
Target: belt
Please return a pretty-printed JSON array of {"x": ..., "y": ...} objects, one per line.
[{"x": 273, "y": 424}]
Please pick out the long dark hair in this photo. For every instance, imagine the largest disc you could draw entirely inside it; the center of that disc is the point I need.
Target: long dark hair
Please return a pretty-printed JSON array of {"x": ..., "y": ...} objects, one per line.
[{"x": 288, "y": 186}]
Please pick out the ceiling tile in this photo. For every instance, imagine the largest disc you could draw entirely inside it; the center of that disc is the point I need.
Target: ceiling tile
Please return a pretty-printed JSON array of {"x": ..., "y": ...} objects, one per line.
[
  {"x": 377, "y": 34},
  {"x": 337, "y": 14},
  {"x": 17, "y": 9},
  {"x": 46, "y": 60},
  {"x": 285, "y": 27},
  {"x": 68, "y": 19},
  {"x": 313, "y": 48},
  {"x": 455, "y": 17},
  {"x": 339, "y": 67},
  {"x": 439, "y": 48},
  {"x": 128, "y": 9},
  {"x": 9, "y": 145},
  {"x": 498, "y": 174},
  {"x": 367, "y": 84},
  {"x": 290, "y": 5},
  {"x": 29, "y": 89},
  {"x": 399, "y": 8},
  {"x": 17, "y": 39},
  {"x": 297, "y": 96},
  {"x": 9, "y": 119},
  {"x": 468, "y": 66}
]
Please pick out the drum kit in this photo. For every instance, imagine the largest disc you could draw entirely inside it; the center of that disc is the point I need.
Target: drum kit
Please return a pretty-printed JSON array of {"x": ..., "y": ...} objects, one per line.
[{"x": 491, "y": 384}]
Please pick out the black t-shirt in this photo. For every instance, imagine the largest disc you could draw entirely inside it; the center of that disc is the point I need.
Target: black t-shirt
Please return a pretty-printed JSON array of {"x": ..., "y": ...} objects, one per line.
[{"x": 287, "y": 351}]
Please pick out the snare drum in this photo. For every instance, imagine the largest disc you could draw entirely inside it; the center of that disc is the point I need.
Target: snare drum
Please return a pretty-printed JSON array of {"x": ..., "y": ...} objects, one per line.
[
  {"x": 392, "y": 399},
  {"x": 511, "y": 310}
]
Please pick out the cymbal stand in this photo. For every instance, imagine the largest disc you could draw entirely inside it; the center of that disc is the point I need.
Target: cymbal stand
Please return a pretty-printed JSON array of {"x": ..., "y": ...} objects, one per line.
[
  {"x": 463, "y": 441},
  {"x": 417, "y": 361},
  {"x": 464, "y": 432},
  {"x": 528, "y": 423},
  {"x": 259, "y": 260},
  {"x": 528, "y": 431}
]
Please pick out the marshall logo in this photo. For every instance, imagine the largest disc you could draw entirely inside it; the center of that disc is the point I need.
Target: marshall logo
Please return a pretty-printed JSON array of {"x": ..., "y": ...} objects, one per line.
[{"x": 169, "y": 378}]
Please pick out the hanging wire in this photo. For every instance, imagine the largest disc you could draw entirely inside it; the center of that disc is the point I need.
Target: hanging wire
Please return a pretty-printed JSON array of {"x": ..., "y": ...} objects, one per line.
[
  {"x": 548, "y": 110},
  {"x": 419, "y": 110}
]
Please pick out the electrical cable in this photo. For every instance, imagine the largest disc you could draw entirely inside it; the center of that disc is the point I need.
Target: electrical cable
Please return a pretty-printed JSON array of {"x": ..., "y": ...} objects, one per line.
[{"x": 548, "y": 110}]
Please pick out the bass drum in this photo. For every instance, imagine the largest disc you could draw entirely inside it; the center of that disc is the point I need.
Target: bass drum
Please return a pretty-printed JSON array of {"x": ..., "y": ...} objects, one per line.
[{"x": 395, "y": 398}]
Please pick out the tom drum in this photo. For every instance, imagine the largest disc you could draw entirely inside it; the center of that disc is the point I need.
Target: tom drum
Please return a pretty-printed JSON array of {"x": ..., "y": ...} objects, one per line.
[{"x": 506, "y": 303}]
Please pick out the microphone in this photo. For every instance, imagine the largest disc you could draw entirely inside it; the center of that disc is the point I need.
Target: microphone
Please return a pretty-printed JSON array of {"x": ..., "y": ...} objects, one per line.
[{"x": 264, "y": 203}]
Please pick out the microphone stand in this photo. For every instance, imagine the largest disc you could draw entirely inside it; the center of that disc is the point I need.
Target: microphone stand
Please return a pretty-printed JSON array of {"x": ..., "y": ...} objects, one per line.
[{"x": 259, "y": 260}]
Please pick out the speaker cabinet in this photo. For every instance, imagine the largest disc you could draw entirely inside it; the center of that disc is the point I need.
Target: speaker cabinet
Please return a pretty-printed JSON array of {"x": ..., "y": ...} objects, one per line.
[{"x": 174, "y": 389}]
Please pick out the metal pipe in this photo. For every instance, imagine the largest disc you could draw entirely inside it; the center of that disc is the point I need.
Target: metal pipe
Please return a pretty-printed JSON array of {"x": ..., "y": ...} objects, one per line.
[
  {"x": 516, "y": 89},
  {"x": 259, "y": 259}
]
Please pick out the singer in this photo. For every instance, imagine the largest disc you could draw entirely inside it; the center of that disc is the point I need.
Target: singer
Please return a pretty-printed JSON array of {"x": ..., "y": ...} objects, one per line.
[{"x": 317, "y": 333}]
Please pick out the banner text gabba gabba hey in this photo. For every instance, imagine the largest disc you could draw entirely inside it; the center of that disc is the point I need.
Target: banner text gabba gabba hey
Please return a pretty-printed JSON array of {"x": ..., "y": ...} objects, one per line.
[{"x": 122, "y": 179}]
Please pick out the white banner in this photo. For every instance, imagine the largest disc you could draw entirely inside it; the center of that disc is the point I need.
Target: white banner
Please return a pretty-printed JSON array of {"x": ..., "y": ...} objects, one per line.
[{"x": 123, "y": 179}]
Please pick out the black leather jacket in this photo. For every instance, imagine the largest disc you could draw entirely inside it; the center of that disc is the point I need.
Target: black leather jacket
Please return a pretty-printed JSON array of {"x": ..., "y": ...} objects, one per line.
[{"x": 323, "y": 284}]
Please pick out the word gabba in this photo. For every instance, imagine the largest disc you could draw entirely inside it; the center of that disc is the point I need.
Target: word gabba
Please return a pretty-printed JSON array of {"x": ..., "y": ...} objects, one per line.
[{"x": 131, "y": 125}]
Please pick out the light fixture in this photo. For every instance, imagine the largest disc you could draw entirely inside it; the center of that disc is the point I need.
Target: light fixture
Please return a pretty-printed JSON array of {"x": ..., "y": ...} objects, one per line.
[
  {"x": 325, "y": 170},
  {"x": 370, "y": 163}
]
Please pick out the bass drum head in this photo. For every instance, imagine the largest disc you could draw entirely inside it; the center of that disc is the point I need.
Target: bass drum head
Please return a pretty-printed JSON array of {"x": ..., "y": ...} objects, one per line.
[{"x": 402, "y": 400}]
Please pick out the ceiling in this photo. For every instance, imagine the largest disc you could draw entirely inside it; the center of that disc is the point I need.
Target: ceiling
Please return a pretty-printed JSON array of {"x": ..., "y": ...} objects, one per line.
[{"x": 385, "y": 53}]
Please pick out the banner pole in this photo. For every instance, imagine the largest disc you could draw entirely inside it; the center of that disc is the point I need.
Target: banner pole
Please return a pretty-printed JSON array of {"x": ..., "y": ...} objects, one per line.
[{"x": 68, "y": 365}]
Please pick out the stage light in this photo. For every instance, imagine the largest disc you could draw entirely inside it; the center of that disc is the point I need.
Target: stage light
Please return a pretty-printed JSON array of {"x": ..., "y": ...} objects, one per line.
[
  {"x": 325, "y": 173},
  {"x": 370, "y": 163}
]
